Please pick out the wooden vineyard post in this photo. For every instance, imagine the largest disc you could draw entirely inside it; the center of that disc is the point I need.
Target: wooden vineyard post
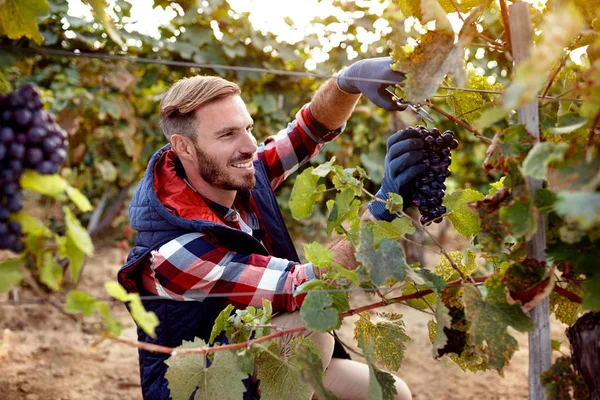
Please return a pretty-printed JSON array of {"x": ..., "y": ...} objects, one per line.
[{"x": 540, "y": 351}]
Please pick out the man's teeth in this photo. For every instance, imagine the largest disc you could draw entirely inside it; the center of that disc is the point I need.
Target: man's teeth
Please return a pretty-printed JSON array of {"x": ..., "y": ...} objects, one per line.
[{"x": 244, "y": 165}]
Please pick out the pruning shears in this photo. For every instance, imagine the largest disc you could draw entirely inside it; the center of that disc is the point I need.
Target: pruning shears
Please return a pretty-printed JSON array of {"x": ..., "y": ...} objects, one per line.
[{"x": 416, "y": 108}]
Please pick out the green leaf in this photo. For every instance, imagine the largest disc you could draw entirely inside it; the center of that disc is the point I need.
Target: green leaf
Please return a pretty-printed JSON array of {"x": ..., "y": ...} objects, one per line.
[
  {"x": 76, "y": 258},
  {"x": 318, "y": 255},
  {"x": 463, "y": 219},
  {"x": 113, "y": 325},
  {"x": 51, "y": 274},
  {"x": 116, "y": 290},
  {"x": 148, "y": 321},
  {"x": 542, "y": 154},
  {"x": 562, "y": 381},
  {"x": 395, "y": 202},
  {"x": 220, "y": 322},
  {"x": 343, "y": 208},
  {"x": 222, "y": 380},
  {"x": 442, "y": 320},
  {"x": 564, "y": 309},
  {"x": 78, "y": 302},
  {"x": 49, "y": 185},
  {"x": 520, "y": 219},
  {"x": 305, "y": 194},
  {"x": 319, "y": 312},
  {"x": 324, "y": 169},
  {"x": 496, "y": 186},
  {"x": 108, "y": 171},
  {"x": 311, "y": 368},
  {"x": 555, "y": 345},
  {"x": 394, "y": 230},
  {"x": 79, "y": 199},
  {"x": 468, "y": 105},
  {"x": 388, "y": 337},
  {"x": 10, "y": 274},
  {"x": 279, "y": 375},
  {"x": 19, "y": 18},
  {"x": 384, "y": 263},
  {"x": 508, "y": 146},
  {"x": 584, "y": 207},
  {"x": 464, "y": 261},
  {"x": 568, "y": 123},
  {"x": 77, "y": 233},
  {"x": 31, "y": 225},
  {"x": 381, "y": 385},
  {"x": 490, "y": 318}
]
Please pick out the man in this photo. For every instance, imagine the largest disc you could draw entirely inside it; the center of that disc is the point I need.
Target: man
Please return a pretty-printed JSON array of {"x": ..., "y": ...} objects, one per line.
[{"x": 209, "y": 225}]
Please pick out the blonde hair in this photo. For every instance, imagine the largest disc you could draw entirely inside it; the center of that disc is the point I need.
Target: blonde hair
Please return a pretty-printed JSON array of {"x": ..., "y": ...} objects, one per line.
[{"x": 177, "y": 107}]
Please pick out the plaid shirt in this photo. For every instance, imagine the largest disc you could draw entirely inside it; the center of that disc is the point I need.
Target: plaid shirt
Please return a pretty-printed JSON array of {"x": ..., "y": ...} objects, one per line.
[{"x": 191, "y": 267}]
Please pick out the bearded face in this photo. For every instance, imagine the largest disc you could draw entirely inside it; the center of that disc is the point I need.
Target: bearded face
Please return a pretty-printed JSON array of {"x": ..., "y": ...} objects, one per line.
[{"x": 236, "y": 173}]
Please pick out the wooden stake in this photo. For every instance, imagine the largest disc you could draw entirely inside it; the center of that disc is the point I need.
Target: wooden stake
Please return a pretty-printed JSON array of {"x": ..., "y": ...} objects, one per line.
[{"x": 540, "y": 351}]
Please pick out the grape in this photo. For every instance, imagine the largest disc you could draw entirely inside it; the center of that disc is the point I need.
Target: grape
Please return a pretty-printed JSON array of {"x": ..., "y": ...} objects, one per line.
[
  {"x": 3, "y": 229},
  {"x": 2, "y": 151},
  {"x": 22, "y": 116},
  {"x": 4, "y": 214},
  {"x": 428, "y": 189},
  {"x": 16, "y": 150},
  {"x": 47, "y": 167},
  {"x": 15, "y": 227},
  {"x": 7, "y": 135},
  {"x": 15, "y": 203},
  {"x": 36, "y": 134},
  {"x": 34, "y": 156},
  {"x": 59, "y": 156},
  {"x": 16, "y": 166},
  {"x": 11, "y": 188},
  {"x": 50, "y": 144}
]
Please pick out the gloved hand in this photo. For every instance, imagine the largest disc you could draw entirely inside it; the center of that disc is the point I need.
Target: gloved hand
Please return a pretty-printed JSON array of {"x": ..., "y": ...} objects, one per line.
[
  {"x": 402, "y": 165},
  {"x": 371, "y": 68}
]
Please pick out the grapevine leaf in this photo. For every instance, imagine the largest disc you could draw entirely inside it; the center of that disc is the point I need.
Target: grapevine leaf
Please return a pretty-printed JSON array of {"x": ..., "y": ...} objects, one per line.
[
  {"x": 77, "y": 233},
  {"x": 78, "y": 199},
  {"x": 117, "y": 291},
  {"x": 537, "y": 160},
  {"x": 106, "y": 168},
  {"x": 78, "y": 302},
  {"x": 31, "y": 225},
  {"x": 344, "y": 179},
  {"x": 509, "y": 145},
  {"x": 51, "y": 274},
  {"x": 564, "y": 309},
  {"x": 381, "y": 385},
  {"x": 568, "y": 123},
  {"x": 187, "y": 372},
  {"x": 311, "y": 368},
  {"x": 496, "y": 186},
  {"x": 410, "y": 8},
  {"x": 279, "y": 375},
  {"x": 319, "y": 311},
  {"x": 544, "y": 199},
  {"x": 527, "y": 283},
  {"x": 19, "y": 18},
  {"x": 220, "y": 321},
  {"x": 394, "y": 203},
  {"x": 464, "y": 262},
  {"x": 114, "y": 326},
  {"x": 584, "y": 207},
  {"x": 99, "y": 7},
  {"x": 384, "y": 263},
  {"x": 442, "y": 322},
  {"x": 520, "y": 218},
  {"x": 394, "y": 230},
  {"x": 305, "y": 194},
  {"x": 560, "y": 27},
  {"x": 576, "y": 172},
  {"x": 489, "y": 319},
  {"x": 324, "y": 169},
  {"x": 344, "y": 207},
  {"x": 49, "y": 185},
  {"x": 76, "y": 258},
  {"x": 469, "y": 359},
  {"x": 562, "y": 381},
  {"x": 10, "y": 273},
  {"x": 388, "y": 336},
  {"x": 146, "y": 320},
  {"x": 555, "y": 345},
  {"x": 322, "y": 257},
  {"x": 422, "y": 303},
  {"x": 492, "y": 232},
  {"x": 464, "y": 220},
  {"x": 463, "y": 5},
  {"x": 5, "y": 87},
  {"x": 432, "y": 11}
]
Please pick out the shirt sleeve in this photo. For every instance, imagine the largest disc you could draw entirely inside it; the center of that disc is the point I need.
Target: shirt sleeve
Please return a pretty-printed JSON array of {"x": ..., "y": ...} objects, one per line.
[
  {"x": 294, "y": 146},
  {"x": 192, "y": 268}
]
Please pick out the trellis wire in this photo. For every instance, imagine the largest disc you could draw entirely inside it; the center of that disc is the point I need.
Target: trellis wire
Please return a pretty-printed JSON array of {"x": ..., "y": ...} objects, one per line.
[{"x": 191, "y": 64}]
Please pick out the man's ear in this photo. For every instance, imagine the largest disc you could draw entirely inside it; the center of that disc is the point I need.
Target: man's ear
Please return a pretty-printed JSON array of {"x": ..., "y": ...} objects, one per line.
[{"x": 183, "y": 147}]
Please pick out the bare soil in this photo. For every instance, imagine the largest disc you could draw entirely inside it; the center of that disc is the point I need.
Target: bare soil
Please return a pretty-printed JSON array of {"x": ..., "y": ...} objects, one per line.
[{"x": 44, "y": 354}]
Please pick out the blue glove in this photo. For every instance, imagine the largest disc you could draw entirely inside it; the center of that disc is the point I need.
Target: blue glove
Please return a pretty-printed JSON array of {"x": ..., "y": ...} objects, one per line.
[
  {"x": 371, "y": 68},
  {"x": 402, "y": 165}
]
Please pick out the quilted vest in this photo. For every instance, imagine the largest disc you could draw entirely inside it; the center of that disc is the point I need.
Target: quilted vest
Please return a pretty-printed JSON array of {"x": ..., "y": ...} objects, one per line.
[{"x": 185, "y": 320}]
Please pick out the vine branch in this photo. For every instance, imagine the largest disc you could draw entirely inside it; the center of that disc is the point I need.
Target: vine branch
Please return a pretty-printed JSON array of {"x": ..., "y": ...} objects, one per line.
[
  {"x": 504, "y": 12},
  {"x": 592, "y": 131},
  {"x": 458, "y": 122}
]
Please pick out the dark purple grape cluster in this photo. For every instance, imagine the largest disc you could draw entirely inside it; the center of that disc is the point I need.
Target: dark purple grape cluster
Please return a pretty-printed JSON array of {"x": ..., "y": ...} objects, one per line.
[
  {"x": 429, "y": 188},
  {"x": 30, "y": 138}
]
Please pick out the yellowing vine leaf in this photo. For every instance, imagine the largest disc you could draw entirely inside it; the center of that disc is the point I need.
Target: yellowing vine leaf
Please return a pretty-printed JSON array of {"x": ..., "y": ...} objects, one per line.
[
  {"x": 464, "y": 262},
  {"x": 10, "y": 273},
  {"x": 279, "y": 374},
  {"x": 305, "y": 194},
  {"x": 564, "y": 309},
  {"x": 388, "y": 338},
  {"x": 394, "y": 230},
  {"x": 186, "y": 372},
  {"x": 468, "y": 105},
  {"x": 559, "y": 29},
  {"x": 463, "y": 219},
  {"x": 19, "y": 18}
]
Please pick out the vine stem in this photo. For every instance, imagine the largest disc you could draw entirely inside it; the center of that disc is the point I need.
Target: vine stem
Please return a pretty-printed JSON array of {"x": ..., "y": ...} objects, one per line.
[
  {"x": 504, "y": 12},
  {"x": 205, "y": 350},
  {"x": 592, "y": 131},
  {"x": 458, "y": 121},
  {"x": 479, "y": 34}
]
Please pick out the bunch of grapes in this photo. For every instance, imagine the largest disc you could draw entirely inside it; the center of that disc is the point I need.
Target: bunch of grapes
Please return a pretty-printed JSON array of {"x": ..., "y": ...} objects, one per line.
[
  {"x": 30, "y": 138},
  {"x": 429, "y": 188}
]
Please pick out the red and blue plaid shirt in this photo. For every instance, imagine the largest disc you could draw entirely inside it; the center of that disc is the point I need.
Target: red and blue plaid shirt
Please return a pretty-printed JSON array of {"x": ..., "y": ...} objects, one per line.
[{"x": 193, "y": 268}]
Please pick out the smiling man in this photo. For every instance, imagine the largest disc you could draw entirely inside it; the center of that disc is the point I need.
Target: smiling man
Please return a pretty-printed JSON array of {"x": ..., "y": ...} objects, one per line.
[{"x": 210, "y": 232}]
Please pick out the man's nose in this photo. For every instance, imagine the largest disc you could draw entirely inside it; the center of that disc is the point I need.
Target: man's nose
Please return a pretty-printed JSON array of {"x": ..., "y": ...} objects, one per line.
[{"x": 249, "y": 145}]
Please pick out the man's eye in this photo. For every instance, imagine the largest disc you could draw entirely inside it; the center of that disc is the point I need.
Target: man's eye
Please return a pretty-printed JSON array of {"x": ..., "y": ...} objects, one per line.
[{"x": 228, "y": 134}]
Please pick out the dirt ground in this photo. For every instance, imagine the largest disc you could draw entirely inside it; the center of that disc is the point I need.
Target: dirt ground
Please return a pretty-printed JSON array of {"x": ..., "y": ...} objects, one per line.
[{"x": 45, "y": 355}]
